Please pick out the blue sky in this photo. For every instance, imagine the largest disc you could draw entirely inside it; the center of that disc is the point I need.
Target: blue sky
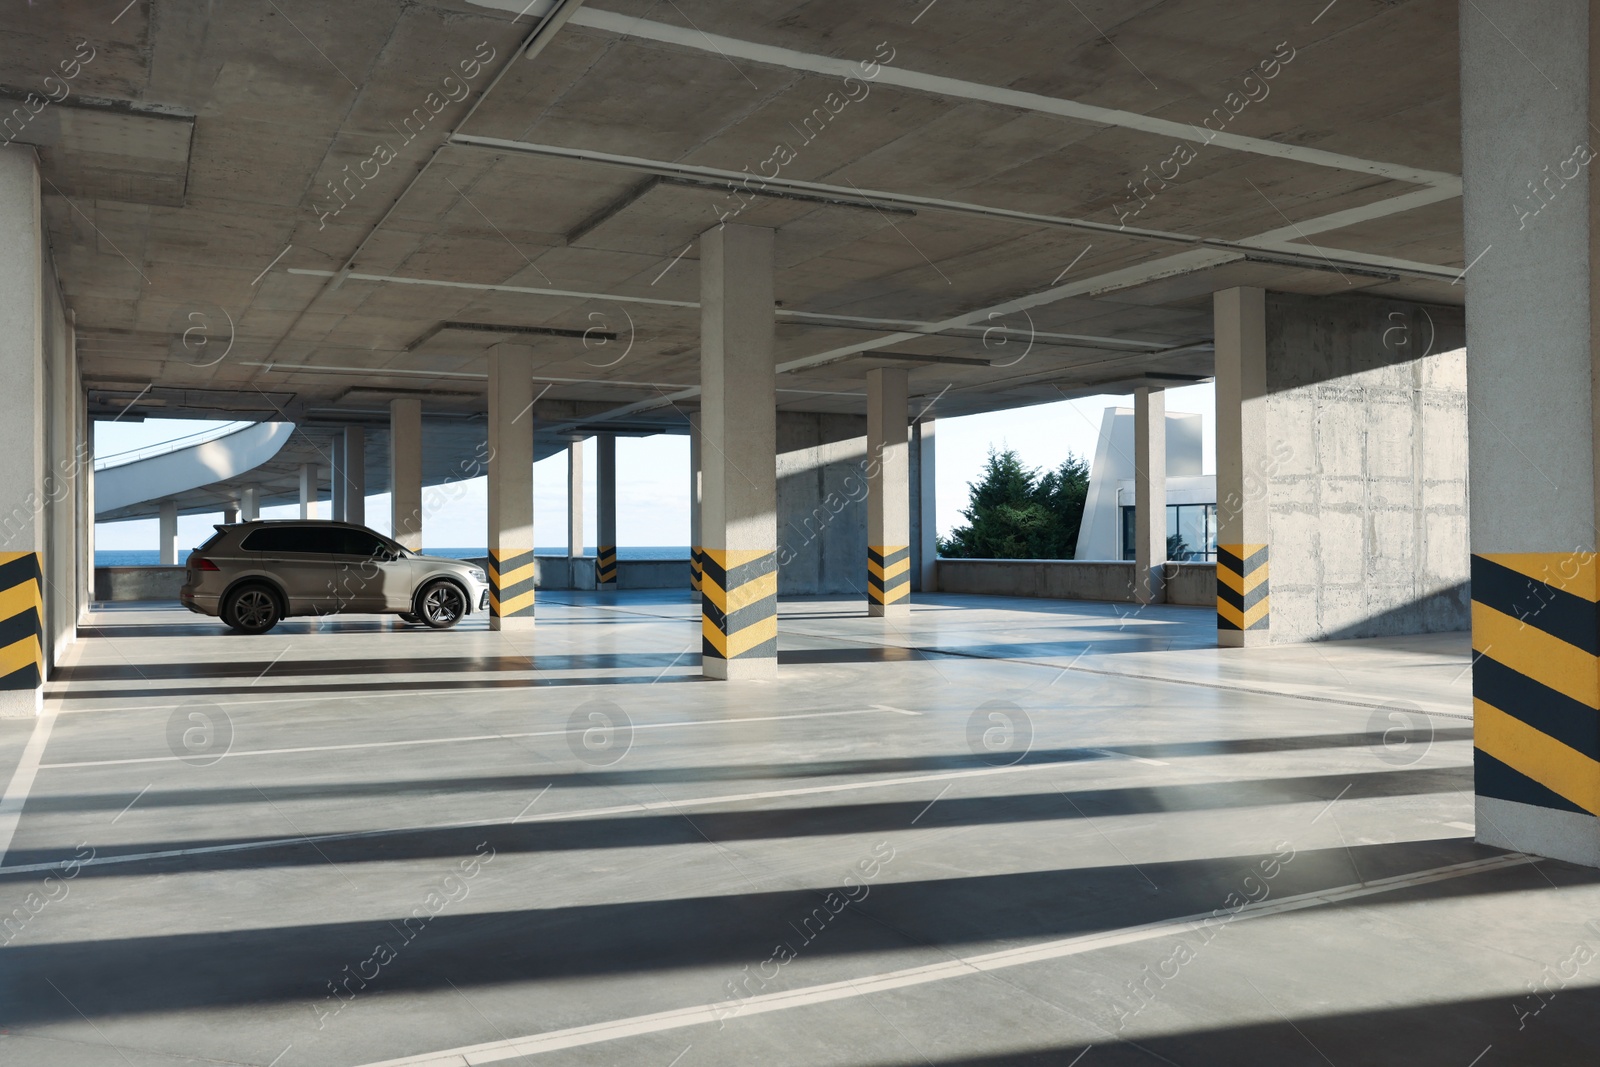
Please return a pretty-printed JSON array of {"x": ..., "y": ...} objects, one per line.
[{"x": 653, "y": 476}]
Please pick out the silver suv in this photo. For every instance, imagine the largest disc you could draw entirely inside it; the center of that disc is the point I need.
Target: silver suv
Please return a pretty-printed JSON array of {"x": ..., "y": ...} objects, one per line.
[{"x": 253, "y": 574}]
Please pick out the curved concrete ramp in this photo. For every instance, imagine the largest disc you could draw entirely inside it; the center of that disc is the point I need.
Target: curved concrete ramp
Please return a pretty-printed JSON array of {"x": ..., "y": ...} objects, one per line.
[{"x": 182, "y": 469}]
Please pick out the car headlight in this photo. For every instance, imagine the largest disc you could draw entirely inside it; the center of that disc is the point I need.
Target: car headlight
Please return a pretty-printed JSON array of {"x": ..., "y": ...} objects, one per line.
[{"x": 478, "y": 574}]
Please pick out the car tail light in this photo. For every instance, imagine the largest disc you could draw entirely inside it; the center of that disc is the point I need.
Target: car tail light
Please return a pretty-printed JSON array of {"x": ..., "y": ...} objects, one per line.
[{"x": 204, "y": 565}]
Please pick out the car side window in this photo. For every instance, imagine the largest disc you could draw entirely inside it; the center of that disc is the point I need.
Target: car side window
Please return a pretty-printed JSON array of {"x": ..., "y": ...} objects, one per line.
[
  {"x": 273, "y": 540},
  {"x": 361, "y": 543}
]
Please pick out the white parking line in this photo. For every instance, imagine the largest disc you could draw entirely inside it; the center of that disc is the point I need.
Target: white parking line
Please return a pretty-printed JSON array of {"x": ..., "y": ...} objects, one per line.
[
  {"x": 16, "y": 794},
  {"x": 959, "y": 967},
  {"x": 452, "y": 740}
]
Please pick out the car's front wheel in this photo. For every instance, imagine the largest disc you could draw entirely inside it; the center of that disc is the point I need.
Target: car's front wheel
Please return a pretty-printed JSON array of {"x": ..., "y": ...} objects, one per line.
[
  {"x": 252, "y": 609},
  {"x": 441, "y": 604}
]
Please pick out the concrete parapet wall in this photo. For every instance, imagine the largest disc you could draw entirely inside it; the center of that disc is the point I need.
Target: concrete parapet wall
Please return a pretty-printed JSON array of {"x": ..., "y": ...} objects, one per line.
[
  {"x": 653, "y": 574},
  {"x": 1069, "y": 579},
  {"x": 137, "y": 583},
  {"x": 1050, "y": 578},
  {"x": 1192, "y": 583}
]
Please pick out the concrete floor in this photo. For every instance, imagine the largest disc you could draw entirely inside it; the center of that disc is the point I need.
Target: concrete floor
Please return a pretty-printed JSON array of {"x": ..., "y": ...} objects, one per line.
[{"x": 1003, "y": 831}]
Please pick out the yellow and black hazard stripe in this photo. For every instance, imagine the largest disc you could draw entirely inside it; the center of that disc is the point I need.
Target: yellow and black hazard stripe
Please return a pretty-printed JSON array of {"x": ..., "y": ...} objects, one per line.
[
  {"x": 1536, "y": 679},
  {"x": 738, "y": 603},
  {"x": 888, "y": 573},
  {"x": 512, "y": 573},
  {"x": 696, "y": 564},
  {"x": 21, "y": 621},
  {"x": 605, "y": 565},
  {"x": 1242, "y": 601}
]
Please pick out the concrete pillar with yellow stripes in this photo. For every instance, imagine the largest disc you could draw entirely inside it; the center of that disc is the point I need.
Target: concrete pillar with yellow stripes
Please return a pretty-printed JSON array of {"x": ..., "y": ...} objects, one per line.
[
  {"x": 1244, "y": 612},
  {"x": 694, "y": 502},
  {"x": 739, "y": 484},
  {"x": 605, "y": 563},
  {"x": 22, "y": 436},
  {"x": 1531, "y": 207},
  {"x": 888, "y": 495},
  {"x": 512, "y": 570}
]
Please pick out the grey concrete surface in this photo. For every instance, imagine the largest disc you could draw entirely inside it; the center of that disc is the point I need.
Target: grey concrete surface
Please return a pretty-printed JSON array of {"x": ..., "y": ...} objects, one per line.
[
  {"x": 990, "y": 775},
  {"x": 137, "y": 583},
  {"x": 823, "y": 471},
  {"x": 1053, "y": 578},
  {"x": 1366, "y": 494}
]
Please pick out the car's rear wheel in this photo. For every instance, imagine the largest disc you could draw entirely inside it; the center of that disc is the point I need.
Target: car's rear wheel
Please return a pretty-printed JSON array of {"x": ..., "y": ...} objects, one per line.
[
  {"x": 441, "y": 604},
  {"x": 252, "y": 609}
]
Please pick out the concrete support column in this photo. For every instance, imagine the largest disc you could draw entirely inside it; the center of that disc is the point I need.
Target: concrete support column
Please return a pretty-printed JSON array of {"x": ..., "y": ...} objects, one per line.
[
  {"x": 695, "y": 538},
  {"x": 353, "y": 453},
  {"x": 85, "y": 504},
  {"x": 22, "y": 437},
  {"x": 336, "y": 487},
  {"x": 1244, "y": 458},
  {"x": 888, "y": 495},
  {"x": 605, "y": 564},
  {"x": 925, "y": 513},
  {"x": 574, "y": 499},
  {"x": 405, "y": 471},
  {"x": 230, "y": 515},
  {"x": 308, "y": 490},
  {"x": 167, "y": 535},
  {"x": 739, "y": 486},
  {"x": 512, "y": 571},
  {"x": 1149, "y": 495},
  {"x": 250, "y": 504},
  {"x": 1532, "y": 236}
]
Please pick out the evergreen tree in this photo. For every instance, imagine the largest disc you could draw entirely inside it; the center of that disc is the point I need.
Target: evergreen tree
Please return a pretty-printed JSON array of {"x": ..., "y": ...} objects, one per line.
[{"x": 1014, "y": 513}]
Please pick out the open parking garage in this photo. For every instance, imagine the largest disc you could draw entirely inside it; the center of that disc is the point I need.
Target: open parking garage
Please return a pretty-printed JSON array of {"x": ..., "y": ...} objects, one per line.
[{"x": 812, "y": 795}]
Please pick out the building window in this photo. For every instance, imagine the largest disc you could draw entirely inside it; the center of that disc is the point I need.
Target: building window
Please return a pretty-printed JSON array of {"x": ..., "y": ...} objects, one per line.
[{"x": 1191, "y": 532}]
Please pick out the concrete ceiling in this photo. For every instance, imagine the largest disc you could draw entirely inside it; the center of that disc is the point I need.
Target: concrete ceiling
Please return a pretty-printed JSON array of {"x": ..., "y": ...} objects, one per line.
[{"x": 233, "y": 237}]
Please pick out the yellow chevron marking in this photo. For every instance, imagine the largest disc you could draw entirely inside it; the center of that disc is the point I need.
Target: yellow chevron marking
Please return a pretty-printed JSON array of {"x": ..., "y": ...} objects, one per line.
[
  {"x": 1241, "y": 585},
  {"x": 7, "y": 557},
  {"x": 1247, "y": 619},
  {"x": 1571, "y": 572},
  {"x": 1538, "y": 755},
  {"x": 889, "y": 596},
  {"x": 512, "y": 577},
  {"x": 1532, "y": 652},
  {"x": 515, "y": 604},
  {"x": 23, "y": 653},
  {"x": 20, "y": 598},
  {"x": 736, "y": 644},
  {"x": 894, "y": 569},
  {"x": 729, "y": 558},
  {"x": 752, "y": 592},
  {"x": 714, "y": 592}
]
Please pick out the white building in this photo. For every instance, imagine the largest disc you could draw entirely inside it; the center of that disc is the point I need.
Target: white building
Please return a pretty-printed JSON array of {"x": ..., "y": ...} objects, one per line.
[{"x": 1107, "y": 530}]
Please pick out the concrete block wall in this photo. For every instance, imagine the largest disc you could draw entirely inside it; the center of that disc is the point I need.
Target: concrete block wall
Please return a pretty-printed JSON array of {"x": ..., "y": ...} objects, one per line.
[
  {"x": 822, "y": 504},
  {"x": 1367, "y": 507}
]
